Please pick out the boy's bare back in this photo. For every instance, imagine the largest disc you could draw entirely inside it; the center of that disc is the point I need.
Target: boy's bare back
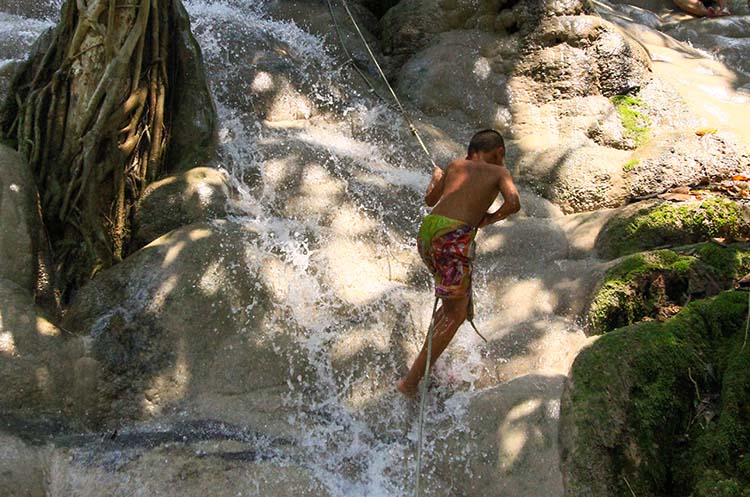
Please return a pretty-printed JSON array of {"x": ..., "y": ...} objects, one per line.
[{"x": 467, "y": 188}]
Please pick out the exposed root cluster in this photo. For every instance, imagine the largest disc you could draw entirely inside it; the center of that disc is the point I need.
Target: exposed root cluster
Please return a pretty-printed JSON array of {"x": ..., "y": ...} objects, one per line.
[{"x": 89, "y": 113}]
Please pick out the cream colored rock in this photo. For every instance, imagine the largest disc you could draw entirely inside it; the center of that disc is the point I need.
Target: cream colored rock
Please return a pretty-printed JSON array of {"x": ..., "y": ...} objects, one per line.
[
  {"x": 582, "y": 178},
  {"x": 19, "y": 218},
  {"x": 35, "y": 358},
  {"x": 462, "y": 76},
  {"x": 189, "y": 320},
  {"x": 199, "y": 194},
  {"x": 21, "y": 467},
  {"x": 508, "y": 444},
  {"x": 181, "y": 462}
]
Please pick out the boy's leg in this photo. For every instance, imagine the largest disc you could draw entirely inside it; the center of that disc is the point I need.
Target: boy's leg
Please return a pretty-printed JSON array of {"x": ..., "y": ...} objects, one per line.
[{"x": 447, "y": 319}]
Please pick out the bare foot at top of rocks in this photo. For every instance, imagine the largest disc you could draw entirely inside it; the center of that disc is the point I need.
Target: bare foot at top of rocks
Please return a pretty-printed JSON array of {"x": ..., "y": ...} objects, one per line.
[{"x": 408, "y": 392}]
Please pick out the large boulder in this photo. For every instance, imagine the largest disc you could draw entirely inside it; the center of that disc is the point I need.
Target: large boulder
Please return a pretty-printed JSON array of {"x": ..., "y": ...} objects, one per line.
[
  {"x": 188, "y": 320},
  {"x": 19, "y": 217},
  {"x": 508, "y": 444},
  {"x": 461, "y": 77},
  {"x": 194, "y": 132},
  {"x": 662, "y": 408},
  {"x": 577, "y": 179},
  {"x": 200, "y": 194},
  {"x": 579, "y": 55},
  {"x": 684, "y": 159},
  {"x": 21, "y": 467},
  {"x": 656, "y": 285},
  {"x": 656, "y": 224},
  {"x": 187, "y": 459},
  {"x": 412, "y": 24},
  {"x": 40, "y": 369},
  {"x": 542, "y": 73}
]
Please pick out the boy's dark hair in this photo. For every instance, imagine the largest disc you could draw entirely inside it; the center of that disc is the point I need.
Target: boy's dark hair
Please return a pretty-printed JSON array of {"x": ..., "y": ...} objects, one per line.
[{"x": 486, "y": 141}]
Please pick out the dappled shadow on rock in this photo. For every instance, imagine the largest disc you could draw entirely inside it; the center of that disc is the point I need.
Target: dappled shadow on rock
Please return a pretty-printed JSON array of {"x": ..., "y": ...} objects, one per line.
[{"x": 507, "y": 444}]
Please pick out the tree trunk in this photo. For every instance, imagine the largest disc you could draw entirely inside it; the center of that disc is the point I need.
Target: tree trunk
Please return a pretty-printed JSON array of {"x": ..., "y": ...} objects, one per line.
[{"x": 91, "y": 114}]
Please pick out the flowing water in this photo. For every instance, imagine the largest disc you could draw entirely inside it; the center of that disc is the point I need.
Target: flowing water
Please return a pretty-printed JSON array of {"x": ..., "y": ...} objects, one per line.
[{"x": 332, "y": 180}]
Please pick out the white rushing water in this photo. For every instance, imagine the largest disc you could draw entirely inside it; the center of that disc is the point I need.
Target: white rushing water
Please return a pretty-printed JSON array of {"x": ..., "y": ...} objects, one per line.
[
  {"x": 348, "y": 454},
  {"x": 362, "y": 163}
]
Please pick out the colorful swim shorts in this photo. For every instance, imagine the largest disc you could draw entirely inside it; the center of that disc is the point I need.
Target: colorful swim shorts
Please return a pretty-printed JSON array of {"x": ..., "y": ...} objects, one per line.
[{"x": 447, "y": 248}]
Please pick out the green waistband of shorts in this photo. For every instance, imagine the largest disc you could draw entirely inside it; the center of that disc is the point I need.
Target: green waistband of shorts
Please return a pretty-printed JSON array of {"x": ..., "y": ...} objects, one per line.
[{"x": 433, "y": 224}]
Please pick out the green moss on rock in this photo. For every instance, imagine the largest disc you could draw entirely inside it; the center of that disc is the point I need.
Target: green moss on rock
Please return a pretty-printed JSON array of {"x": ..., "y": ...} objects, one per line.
[
  {"x": 663, "y": 405},
  {"x": 655, "y": 285},
  {"x": 631, "y": 111},
  {"x": 657, "y": 224},
  {"x": 630, "y": 165}
]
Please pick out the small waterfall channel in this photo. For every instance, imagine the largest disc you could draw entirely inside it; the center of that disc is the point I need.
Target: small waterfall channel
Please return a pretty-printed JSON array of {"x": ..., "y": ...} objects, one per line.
[{"x": 331, "y": 179}]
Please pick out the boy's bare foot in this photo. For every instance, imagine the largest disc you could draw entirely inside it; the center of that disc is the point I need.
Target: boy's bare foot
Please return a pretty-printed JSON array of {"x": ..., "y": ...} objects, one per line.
[{"x": 409, "y": 392}]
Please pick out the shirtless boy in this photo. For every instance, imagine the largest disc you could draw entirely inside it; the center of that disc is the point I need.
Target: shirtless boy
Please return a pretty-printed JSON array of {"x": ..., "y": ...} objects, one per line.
[{"x": 460, "y": 197}]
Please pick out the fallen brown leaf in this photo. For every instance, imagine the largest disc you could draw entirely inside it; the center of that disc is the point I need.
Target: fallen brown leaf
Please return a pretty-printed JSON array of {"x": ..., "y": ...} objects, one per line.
[{"x": 705, "y": 131}]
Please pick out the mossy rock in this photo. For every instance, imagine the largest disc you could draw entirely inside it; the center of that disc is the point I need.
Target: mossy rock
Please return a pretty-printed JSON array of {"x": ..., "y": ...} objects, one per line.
[
  {"x": 662, "y": 409},
  {"x": 655, "y": 285},
  {"x": 632, "y": 112},
  {"x": 653, "y": 224}
]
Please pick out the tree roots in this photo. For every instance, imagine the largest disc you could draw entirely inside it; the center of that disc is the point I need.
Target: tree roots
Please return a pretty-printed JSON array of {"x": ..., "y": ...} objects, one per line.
[{"x": 90, "y": 116}]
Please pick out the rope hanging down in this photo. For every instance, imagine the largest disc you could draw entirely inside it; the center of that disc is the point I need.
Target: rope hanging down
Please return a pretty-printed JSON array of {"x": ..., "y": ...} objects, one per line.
[
  {"x": 415, "y": 132},
  {"x": 401, "y": 108},
  {"x": 422, "y": 400}
]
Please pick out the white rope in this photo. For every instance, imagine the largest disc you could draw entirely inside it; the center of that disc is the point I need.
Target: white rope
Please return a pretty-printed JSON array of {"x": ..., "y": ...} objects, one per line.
[
  {"x": 415, "y": 132},
  {"x": 408, "y": 120},
  {"x": 423, "y": 401}
]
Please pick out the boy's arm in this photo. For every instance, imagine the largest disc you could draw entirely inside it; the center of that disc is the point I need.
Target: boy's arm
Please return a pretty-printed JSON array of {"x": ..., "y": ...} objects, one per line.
[
  {"x": 435, "y": 188},
  {"x": 511, "y": 200}
]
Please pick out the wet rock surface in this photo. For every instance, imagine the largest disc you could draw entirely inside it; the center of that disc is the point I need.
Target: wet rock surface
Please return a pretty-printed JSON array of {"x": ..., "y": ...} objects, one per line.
[
  {"x": 200, "y": 194},
  {"x": 20, "y": 220},
  {"x": 634, "y": 421}
]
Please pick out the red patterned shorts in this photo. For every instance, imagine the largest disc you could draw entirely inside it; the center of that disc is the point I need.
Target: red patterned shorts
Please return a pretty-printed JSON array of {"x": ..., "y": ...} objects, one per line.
[{"x": 446, "y": 246}]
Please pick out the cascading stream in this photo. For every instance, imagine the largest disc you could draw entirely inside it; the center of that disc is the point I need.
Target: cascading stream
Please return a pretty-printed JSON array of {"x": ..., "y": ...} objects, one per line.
[
  {"x": 352, "y": 136},
  {"x": 333, "y": 182}
]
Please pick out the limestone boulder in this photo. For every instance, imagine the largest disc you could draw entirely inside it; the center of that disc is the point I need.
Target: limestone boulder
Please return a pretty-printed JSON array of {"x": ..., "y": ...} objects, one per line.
[
  {"x": 200, "y": 194},
  {"x": 462, "y": 77},
  {"x": 568, "y": 56},
  {"x": 188, "y": 459},
  {"x": 508, "y": 444},
  {"x": 189, "y": 321},
  {"x": 194, "y": 132},
  {"x": 411, "y": 25},
  {"x": 577, "y": 179},
  {"x": 19, "y": 217},
  {"x": 21, "y": 467},
  {"x": 685, "y": 159},
  {"x": 39, "y": 366}
]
